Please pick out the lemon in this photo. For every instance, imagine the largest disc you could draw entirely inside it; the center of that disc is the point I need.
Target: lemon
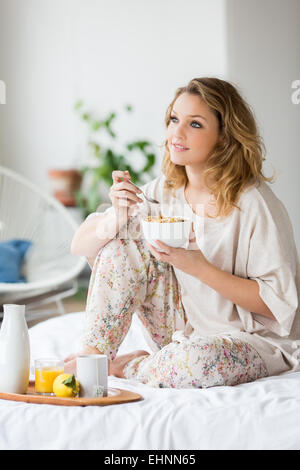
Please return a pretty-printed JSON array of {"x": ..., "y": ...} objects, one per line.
[{"x": 66, "y": 385}]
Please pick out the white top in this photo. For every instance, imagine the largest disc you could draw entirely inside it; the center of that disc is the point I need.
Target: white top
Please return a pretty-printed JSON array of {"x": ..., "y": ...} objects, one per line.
[{"x": 256, "y": 243}]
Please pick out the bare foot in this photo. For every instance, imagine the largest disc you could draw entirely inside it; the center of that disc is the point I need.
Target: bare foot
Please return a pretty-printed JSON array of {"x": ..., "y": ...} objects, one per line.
[
  {"x": 70, "y": 362},
  {"x": 115, "y": 367},
  {"x": 70, "y": 366},
  {"x": 118, "y": 364}
]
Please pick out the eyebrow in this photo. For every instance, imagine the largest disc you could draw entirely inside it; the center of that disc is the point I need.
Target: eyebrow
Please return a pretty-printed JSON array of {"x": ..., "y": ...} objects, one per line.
[{"x": 192, "y": 115}]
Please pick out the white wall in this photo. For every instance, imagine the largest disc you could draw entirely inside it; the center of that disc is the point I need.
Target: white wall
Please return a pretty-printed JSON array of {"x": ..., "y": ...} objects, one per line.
[
  {"x": 113, "y": 52},
  {"x": 263, "y": 39},
  {"x": 107, "y": 52}
]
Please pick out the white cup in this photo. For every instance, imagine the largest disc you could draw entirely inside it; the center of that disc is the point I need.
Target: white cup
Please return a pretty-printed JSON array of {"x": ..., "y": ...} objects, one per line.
[{"x": 92, "y": 372}]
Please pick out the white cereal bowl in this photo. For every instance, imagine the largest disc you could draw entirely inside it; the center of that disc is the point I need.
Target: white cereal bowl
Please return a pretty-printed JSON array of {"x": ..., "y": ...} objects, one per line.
[{"x": 175, "y": 234}]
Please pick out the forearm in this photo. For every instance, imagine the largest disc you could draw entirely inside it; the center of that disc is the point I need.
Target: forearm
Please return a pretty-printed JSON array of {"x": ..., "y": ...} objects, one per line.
[{"x": 242, "y": 292}]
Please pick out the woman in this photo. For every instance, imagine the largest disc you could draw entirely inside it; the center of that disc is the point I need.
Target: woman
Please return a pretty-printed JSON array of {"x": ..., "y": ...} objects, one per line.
[{"x": 222, "y": 311}]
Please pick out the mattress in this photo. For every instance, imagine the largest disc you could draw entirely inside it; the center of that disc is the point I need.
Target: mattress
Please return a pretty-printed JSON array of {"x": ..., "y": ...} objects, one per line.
[{"x": 261, "y": 415}]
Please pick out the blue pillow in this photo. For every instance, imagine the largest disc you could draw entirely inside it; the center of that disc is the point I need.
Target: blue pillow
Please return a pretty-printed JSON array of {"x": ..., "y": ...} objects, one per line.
[{"x": 12, "y": 253}]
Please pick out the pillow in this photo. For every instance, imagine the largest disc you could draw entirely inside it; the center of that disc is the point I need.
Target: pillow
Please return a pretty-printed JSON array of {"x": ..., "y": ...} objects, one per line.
[{"x": 12, "y": 254}]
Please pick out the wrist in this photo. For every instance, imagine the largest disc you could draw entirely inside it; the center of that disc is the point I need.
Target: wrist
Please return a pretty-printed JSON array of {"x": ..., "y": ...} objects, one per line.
[{"x": 121, "y": 217}]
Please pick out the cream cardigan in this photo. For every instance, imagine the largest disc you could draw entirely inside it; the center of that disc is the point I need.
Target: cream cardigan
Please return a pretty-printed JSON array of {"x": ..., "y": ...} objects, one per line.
[{"x": 256, "y": 243}]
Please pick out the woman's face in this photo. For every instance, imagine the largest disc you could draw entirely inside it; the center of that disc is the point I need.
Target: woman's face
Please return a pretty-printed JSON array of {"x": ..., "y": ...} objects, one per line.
[{"x": 193, "y": 126}]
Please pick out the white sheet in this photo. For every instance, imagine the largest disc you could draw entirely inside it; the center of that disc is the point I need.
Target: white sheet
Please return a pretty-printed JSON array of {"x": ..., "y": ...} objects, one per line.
[{"x": 260, "y": 415}]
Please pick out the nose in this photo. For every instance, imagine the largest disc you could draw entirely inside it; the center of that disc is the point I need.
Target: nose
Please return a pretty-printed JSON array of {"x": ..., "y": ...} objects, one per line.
[{"x": 179, "y": 131}]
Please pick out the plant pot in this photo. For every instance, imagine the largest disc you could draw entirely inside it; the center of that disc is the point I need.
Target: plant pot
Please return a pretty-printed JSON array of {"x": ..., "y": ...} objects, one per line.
[{"x": 63, "y": 184}]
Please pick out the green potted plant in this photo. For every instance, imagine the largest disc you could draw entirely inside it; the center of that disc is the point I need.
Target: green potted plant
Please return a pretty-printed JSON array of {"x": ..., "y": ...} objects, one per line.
[{"x": 106, "y": 160}]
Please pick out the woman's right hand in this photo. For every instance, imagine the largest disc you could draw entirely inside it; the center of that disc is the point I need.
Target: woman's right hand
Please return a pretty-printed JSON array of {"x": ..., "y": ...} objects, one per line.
[{"x": 123, "y": 195}]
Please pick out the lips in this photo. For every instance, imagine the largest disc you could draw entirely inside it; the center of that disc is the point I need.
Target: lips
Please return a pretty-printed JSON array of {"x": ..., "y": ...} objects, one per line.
[{"x": 178, "y": 147}]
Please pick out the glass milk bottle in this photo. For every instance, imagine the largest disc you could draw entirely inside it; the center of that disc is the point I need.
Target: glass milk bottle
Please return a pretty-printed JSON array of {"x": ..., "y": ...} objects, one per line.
[{"x": 14, "y": 350}]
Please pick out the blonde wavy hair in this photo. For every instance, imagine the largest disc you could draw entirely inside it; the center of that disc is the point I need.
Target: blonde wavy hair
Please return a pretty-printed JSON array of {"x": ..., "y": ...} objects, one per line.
[{"x": 236, "y": 160}]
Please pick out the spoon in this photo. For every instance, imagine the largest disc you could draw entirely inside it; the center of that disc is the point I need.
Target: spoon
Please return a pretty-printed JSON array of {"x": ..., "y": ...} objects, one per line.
[{"x": 149, "y": 199}]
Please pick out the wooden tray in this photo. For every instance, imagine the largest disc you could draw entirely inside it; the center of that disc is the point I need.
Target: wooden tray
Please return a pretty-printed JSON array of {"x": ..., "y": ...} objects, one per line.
[{"x": 115, "y": 395}]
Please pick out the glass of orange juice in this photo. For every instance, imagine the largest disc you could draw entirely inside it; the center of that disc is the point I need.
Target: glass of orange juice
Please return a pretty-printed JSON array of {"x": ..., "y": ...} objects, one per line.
[{"x": 46, "y": 371}]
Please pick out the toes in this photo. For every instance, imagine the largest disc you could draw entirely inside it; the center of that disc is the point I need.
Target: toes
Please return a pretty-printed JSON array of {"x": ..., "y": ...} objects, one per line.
[
  {"x": 142, "y": 353},
  {"x": 70, "y": 367},
  {"x": 69, "y": 358}
]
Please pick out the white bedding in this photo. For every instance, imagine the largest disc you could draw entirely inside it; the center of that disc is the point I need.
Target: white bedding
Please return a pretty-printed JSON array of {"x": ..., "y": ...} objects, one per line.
[{"x": 260, "y": 415}]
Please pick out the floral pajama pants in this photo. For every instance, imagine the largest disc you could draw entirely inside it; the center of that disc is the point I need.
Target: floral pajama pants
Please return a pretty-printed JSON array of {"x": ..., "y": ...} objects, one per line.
[{"x": 127, "y": 279}]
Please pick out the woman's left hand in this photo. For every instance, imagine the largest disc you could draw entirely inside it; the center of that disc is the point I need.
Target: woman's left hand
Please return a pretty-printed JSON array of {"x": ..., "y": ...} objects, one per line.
[{"x": 192, "y": 262}]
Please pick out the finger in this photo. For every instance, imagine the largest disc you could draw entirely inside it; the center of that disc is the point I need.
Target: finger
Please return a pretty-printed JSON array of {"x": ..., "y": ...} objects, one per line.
[
  {"x": 122, "y": 201},
  {"x": 128, "y": 188},
  {"x": 164, "y": 247},
  {"x": 157, "y": 254},
  {"x": 127, "y": 185},
  {"x": 118, "y": 174},
  {"x": 124, "y": 194},
  {"x": 126, "y": 202},
  {"x": 192, "y": 235}
]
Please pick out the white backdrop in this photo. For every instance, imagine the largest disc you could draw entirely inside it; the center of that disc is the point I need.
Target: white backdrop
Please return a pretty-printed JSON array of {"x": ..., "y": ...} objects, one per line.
[
  {"x": 113, "y": 52},
  {"x": 264, "y": 60},
  {"x": 106, "y": 52}
]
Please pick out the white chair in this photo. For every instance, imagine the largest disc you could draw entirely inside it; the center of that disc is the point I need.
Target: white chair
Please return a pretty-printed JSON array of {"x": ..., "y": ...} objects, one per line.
[{"x": 27, "y": 212}]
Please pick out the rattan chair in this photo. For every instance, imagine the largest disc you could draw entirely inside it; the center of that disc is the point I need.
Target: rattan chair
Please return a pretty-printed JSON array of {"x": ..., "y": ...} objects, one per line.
[{"x": 27, "y": 212}]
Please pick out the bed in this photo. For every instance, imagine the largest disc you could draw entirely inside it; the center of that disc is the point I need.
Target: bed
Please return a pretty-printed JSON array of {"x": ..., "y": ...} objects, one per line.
[{"x": 260, "y": 415}]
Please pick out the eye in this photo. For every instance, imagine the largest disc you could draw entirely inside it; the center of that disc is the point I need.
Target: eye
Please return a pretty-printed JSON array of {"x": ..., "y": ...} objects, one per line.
[{"x": 198, "y": 125}]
